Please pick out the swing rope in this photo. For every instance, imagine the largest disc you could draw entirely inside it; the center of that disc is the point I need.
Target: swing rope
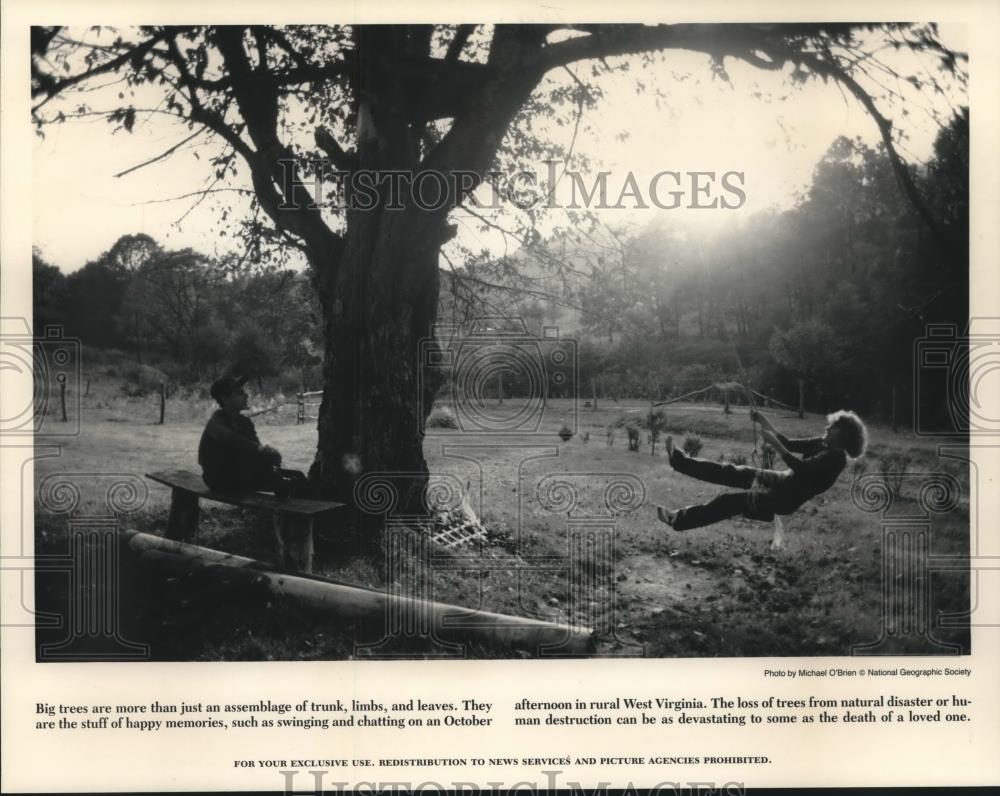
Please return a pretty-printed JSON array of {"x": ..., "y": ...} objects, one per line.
[{"x": 745, "y": 383}]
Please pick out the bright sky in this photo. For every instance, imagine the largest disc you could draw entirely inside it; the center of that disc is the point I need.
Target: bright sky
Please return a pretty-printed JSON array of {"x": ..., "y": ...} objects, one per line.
[{"x": 80, "y": 208}]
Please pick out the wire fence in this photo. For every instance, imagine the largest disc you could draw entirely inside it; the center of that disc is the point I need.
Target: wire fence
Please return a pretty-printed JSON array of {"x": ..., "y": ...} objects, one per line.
[{"x": 731, "y": 392}]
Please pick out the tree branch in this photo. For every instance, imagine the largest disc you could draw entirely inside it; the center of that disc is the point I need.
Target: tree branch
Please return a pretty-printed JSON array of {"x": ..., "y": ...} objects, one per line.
[
  {"x": 165, "y": 154},
  {"x": 257, "y": 98},
  {"x": 50, "y": 87},
  {"x": 716, "y": 40},
  {"x": 829, "y": 67},
  {"x": 521, "y": 291},
  {"x": 462, "y": 34},
  {"x": 338, "y": 157}
]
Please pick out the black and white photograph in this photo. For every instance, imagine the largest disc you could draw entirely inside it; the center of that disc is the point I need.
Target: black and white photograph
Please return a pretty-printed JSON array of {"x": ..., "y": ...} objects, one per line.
[
  {"x": 547, "y": 341},
  {"x": 504, "y": 398}
]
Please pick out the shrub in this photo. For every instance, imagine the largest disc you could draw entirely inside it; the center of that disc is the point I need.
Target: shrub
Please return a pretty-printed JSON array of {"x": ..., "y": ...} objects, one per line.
[
  {"x": 656, "y": 423},
  {"x": 893, "y": 468},
  {"x": 254, "y": 353},
  {"x": 139, "y": 380},
  {"x": 692, "y": 444},
  {"x": 738, "y": 459},
  {"x": 441, "y": 417},
  {"x": 108, "y": 359},
  {"x": 565, "y": 433}
]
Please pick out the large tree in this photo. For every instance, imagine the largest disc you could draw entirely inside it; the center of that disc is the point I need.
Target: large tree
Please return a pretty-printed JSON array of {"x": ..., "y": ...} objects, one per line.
[{"x": 415, "y": 98}]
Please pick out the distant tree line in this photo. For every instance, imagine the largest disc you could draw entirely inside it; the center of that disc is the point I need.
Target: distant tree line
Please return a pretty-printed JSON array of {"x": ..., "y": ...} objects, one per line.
[
  {"x": 833, "y": 292},
  {"x": 197, "y": 315}
]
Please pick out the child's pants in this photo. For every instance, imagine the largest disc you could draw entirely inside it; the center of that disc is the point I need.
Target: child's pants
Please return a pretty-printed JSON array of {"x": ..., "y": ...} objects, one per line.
[{"x": 755, "y": 505}]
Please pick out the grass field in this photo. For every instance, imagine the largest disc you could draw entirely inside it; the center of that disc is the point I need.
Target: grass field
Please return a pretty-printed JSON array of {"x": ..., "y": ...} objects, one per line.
[{"x": 717, "y": 591}]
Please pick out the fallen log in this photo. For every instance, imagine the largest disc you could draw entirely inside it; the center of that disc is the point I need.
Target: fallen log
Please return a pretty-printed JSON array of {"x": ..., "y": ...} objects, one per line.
[{"x": 353, "y": 603}]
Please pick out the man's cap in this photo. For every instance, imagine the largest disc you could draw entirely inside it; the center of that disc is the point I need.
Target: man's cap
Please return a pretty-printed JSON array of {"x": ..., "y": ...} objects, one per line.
[{"x": 227, "y": 385}]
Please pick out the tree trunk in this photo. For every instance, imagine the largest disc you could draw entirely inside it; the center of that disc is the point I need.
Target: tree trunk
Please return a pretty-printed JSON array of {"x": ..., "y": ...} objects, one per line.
[
  {"x": 379, "y": 292},
  {"x": 380, "y": 309}
]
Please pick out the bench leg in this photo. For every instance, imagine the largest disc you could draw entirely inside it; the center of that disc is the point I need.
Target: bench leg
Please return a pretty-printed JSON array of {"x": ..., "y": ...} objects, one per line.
[
  {"x": 183, "y": 519},
  {"x": 279, "y": 539},
  {"x": 293, "y": 542}
]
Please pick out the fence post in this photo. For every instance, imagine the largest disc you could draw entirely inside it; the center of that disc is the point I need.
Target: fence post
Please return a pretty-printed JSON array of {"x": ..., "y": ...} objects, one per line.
[
  {"x": 650, "y": 424},
  {"x": 62, "y": 395},
  {"x": 163, "y": 400},
  {"x": 593, "y": 391},
  {"x": 725, "y": 398},
  {"x": 300, "y": 414},
  {"x": 894, "y": 423},
  {"x": 802, "y": 399}
]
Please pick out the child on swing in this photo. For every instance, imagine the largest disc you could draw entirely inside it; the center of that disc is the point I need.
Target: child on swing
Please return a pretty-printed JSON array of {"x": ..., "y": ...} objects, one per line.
[{"x": 770, "y": 492}]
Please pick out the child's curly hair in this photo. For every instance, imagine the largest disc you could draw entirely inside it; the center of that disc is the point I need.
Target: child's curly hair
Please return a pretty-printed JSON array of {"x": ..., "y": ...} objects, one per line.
[{"x": 852, "y": 431}]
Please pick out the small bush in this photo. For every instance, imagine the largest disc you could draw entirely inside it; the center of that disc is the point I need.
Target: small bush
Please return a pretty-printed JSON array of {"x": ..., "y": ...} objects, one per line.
[
  {"x": 738, "y": 459},
  {"x": 139, "y": 380},
  {"x": 107, "y": 358},
  {"x": 565, "y": 433},
  {"x": 441, "y": 417},
  {"x": 692, "y": 444},
  {"x": 893, "y": 469}
]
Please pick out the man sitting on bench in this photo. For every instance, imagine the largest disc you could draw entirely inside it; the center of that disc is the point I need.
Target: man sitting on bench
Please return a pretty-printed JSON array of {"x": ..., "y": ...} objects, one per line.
[{"x": 232, "y": 457}]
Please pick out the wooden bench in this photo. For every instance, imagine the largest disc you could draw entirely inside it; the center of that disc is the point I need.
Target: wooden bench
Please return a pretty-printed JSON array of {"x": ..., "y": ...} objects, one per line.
[{"x": 293, "y": 518}]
